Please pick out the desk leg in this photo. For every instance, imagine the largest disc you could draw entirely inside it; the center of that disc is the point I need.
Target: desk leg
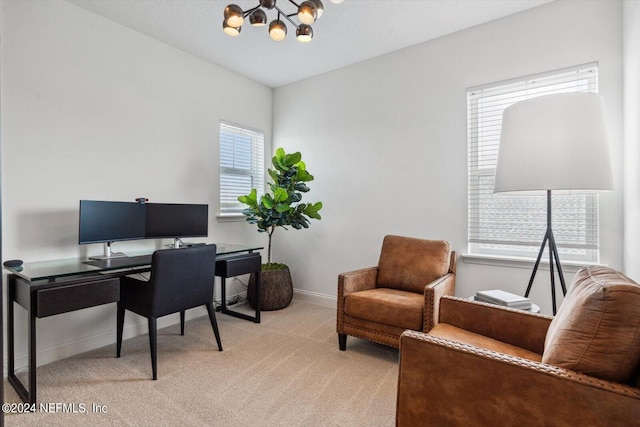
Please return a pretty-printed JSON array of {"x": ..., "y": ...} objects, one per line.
[
  {"x": 223, "y": 293},
  {"x": 32, "y": 358},
  {"x": 28, "y": 396},
  {"x": 225, "y": 310},
  {"x": 257, "y": 298}
]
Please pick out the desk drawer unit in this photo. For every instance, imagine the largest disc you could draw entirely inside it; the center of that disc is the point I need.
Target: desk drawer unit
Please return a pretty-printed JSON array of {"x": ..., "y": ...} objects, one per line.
[
  {"x": 75, "y": 297},
  {"x": 238, "y": 265}
]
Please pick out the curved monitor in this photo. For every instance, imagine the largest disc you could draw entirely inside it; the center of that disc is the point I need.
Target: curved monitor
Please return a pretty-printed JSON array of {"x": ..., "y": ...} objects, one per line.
[
  {"x": 173, "y": 220},
  {"x": 103, "y": 222}
]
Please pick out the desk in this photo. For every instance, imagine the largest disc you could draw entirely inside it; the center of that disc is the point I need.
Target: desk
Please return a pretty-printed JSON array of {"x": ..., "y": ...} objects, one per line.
[{"x": 48, "y": 288}]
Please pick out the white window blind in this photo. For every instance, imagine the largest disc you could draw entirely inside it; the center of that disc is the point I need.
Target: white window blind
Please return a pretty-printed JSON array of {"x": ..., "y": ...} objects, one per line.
[
  {"x": 241, "y": 165},
  {"x": 514, "y": 224}
]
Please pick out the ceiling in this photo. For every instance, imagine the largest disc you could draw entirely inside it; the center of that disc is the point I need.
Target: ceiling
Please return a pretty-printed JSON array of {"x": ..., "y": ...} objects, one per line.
[{"x": 347, "y": 33}]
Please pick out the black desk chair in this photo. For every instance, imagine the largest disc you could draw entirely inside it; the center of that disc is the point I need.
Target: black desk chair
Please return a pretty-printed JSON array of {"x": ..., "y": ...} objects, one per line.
[{"x": 180, "y": 279}]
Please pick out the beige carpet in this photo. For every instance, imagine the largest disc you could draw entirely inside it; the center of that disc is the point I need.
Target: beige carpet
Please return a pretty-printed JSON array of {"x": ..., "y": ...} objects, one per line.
[{"x": 286, "y": 371}]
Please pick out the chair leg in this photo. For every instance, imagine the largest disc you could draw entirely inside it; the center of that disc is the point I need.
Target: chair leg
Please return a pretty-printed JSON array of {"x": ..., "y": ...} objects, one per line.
[
  {"x": 342, "y": 341},
  {"x": 119, "y": 329},
  {"x": 153, "y": 343},
  {"x": 214, "y": 324},
  {"x": 182, "y": 322}
]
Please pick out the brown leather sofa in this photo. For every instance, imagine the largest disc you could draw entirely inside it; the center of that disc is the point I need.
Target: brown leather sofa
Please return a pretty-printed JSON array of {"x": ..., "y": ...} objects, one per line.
[
  {"x": 485, "y": 365},
  {"x": 401, "y": 292}
]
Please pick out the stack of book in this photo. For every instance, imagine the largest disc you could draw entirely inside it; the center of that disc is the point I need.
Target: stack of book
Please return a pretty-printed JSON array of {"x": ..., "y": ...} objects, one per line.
[{"x": 503, "y": 298}]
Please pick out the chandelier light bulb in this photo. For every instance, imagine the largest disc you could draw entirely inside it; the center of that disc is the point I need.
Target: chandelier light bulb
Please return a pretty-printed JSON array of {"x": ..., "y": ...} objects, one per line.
[
  {"x": 307, "y": 12},
  {"x": 277, "y": 30},
  {"x": 268, "y": 4},
  {"x": 258, "y": 18},
  {"x": 319, "y": 7},
  {"x": 229, "y": 30},
  {"x": 304, "y": 33},
  {"x": 233, "y": 15}
]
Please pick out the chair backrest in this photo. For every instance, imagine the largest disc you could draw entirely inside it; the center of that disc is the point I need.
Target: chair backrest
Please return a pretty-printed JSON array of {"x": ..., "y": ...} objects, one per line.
[
  {"x": 182, "y": 278},
  {"x": 410, "y": 264},
  {"x": 597, "y": 328}
]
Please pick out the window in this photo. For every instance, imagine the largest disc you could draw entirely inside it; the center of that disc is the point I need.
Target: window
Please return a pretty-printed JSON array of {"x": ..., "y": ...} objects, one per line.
[
  {"x": 241, "y": 165},
  {"x": 514, "y": 224}
]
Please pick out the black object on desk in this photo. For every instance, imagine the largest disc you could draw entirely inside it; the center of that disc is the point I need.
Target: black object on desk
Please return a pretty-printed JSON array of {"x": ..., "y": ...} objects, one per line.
[{"x": 48, "y": 288}]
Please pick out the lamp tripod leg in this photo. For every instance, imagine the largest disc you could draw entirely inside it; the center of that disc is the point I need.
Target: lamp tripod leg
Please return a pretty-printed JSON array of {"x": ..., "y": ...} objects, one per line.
[
  {"x": 535, "y": 267},
  {"x": 552, "y": 274},
  {"x": 552, "y": 242},
  {"x": 553, "y": 254}
]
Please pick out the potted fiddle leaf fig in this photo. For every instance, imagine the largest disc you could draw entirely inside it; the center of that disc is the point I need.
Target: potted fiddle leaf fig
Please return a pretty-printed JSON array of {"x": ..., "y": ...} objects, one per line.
[{"x": 281, "y": 207}]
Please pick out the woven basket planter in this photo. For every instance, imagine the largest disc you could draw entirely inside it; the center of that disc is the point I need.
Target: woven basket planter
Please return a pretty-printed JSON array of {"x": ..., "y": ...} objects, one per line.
[{"x": 276, "y": 289}]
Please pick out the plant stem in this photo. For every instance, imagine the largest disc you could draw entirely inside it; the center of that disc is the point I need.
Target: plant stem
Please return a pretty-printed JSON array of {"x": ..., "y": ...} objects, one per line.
[{"x": 273, "y": 228}]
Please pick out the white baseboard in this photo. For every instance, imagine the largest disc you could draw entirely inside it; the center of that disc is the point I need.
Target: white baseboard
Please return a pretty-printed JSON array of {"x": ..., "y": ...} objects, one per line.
[{"x": 323, "y": 300}]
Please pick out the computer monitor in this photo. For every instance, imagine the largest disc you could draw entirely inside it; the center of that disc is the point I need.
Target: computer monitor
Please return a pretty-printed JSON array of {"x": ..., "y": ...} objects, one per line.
[
  {"x": 173, "y": 220},
  {"x": 106, "y": 222}
]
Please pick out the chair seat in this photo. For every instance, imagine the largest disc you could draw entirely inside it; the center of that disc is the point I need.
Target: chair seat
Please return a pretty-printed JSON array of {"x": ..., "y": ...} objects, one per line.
[
  {"x": 387, "y": 306},
  {"x": 443, "y": 330}
]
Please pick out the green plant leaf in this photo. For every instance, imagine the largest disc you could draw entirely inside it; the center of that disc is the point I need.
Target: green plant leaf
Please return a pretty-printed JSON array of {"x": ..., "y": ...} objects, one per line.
[
  {"x": 282, "y": 207},
  {"x": 293, "y": 159},
  {"x": 250, "y": 199},
  {"x": 280, "y": 195},
  {"x": 267, "y": 201},
  {"x": 311, "y": 210}
]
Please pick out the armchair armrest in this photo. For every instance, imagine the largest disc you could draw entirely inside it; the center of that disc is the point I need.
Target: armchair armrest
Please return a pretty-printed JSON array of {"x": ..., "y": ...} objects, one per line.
[
  {"x": 515, "y": 327},
  {"x": 443, "y": 382},
  {"x": 357, "y": 280},
  {"x": 445, "y": 285},
  {"x": 353, "y": 281}
]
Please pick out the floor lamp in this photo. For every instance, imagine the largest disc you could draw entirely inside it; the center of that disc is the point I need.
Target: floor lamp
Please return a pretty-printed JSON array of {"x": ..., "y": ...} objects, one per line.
[{"x": 554, "y": 142}]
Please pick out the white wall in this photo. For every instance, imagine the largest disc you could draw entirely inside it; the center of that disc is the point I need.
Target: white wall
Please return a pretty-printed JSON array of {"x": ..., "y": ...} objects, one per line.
[
  {"x": 386, "y": 140},
  {"x": 93, "y": 110},
  {"x": 631, "y": 71}
]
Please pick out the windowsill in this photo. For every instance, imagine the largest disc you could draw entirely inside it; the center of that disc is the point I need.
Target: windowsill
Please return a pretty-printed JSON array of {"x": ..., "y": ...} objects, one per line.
[
  {"x": 515, "y": 262},
  {"x": 231, "y": 217}
]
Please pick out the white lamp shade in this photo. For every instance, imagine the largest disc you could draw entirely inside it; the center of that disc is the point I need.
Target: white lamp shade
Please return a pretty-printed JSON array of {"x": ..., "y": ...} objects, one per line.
[{"x": 554, "y": 142}]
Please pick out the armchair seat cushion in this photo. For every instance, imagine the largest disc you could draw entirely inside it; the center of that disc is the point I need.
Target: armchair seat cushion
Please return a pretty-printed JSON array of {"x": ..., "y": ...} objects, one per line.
[
  {"x": 452, "y": 333},
  {"x": 387, "y": 306}
]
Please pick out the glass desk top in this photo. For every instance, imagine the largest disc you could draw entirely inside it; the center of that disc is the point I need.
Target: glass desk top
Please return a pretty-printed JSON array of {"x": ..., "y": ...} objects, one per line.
[{"x": 32, "y": 271}]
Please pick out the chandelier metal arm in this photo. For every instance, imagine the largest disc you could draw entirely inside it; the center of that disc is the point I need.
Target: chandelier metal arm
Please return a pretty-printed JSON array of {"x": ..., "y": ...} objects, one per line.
[
  {"x": 280, "y": 12},
  {"x": 250, "y": 11}
]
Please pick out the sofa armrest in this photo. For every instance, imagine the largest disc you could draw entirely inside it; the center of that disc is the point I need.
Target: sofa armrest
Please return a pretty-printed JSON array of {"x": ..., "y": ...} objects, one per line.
[
  {"x": 445, "y": 285},
  {"x": 516, "y": 327},
  {"x": 442, "y": 382}
]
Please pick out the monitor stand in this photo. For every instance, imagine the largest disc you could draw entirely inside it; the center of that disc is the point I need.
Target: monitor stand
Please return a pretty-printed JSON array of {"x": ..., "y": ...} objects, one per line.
[{"x": 108, "y": 254}]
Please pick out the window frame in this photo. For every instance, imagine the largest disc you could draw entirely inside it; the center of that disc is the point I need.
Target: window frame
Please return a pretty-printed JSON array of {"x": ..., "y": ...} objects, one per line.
[
  {"x": 229, "y": 207},
  {"x": 482, "y": 155}
]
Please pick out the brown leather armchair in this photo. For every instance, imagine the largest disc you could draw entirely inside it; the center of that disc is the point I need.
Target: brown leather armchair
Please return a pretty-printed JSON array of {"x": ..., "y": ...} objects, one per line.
[
  {"x": 402, "y": 292},
  {"x": 485, "y": 365}
]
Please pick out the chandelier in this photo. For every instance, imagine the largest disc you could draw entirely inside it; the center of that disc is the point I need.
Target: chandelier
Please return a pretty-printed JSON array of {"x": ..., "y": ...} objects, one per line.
[{"x": 307, "y": 12}]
